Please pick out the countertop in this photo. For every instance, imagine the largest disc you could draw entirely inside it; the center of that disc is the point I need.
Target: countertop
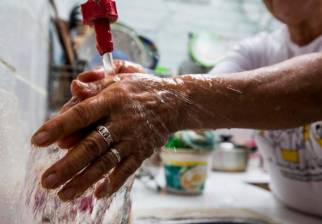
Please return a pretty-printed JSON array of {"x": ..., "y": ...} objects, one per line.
[{"x": 223, "y": 191}]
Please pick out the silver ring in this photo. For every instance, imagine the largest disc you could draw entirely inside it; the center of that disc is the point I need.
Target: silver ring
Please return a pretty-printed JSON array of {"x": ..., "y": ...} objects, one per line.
[
  {"x": 106, "y": 134},
  {"x": 116, "y": 155},
  {"x": 116, "y": 78}
]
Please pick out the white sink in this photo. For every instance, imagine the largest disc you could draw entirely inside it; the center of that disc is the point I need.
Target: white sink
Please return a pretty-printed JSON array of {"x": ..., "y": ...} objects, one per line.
[{"x": 201, "y": 216}]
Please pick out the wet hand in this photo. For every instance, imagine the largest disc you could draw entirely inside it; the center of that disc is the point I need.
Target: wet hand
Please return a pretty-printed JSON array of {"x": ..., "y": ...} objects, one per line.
[
  {"x": 139, "y": 112},
  {"x": 89, "y": 84}
]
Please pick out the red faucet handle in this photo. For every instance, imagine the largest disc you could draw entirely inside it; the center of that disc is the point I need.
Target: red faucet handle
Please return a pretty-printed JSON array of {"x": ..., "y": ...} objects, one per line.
[
  {"x": 100, "y": 13},
  {"x": 100, "y": 9}
]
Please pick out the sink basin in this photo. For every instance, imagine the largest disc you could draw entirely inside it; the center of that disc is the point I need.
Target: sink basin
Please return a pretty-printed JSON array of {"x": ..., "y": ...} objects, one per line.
[
  {"x": 201, "y": 216},
  {"x": 218, "y": 221},
  {"x": 208, "y": 221}
]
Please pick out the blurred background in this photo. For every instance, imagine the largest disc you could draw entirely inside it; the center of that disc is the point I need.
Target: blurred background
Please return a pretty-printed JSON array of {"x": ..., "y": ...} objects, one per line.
[
  {"x": 43, "y": 46},
  {"x": 169, "y": 22}
]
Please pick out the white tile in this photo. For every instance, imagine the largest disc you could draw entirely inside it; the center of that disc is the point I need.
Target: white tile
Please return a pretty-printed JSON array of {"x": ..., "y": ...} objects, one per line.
[{"x": 23, "y": 81}]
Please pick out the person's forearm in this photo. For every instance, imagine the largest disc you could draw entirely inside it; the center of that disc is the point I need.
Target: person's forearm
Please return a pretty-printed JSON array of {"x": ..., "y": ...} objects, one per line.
[{"x": 282, "y": 96}]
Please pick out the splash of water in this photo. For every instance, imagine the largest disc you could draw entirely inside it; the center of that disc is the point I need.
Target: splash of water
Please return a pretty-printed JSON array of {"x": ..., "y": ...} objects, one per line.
[{"x": 43, "y": 206}]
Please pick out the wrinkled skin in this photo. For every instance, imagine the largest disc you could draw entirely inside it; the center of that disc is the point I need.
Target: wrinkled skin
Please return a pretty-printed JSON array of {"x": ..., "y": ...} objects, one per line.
[
  {"x": 139, "y": 113},
  {"x": 89, "y": 84}
]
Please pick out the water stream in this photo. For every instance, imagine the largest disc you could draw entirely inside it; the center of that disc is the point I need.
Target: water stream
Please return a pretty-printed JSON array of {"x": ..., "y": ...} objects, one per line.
[
  {"x": 23, "y": 200},
  {"x": 45, "y": 207}
]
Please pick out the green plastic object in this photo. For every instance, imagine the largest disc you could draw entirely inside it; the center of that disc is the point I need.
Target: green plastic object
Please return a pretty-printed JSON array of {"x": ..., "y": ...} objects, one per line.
[
  {"x": 175, "y": 142},
  {"x": 207, "y": 49},
  {"x": 162, "y": 71},
  {"x": 192, "y": 140}
]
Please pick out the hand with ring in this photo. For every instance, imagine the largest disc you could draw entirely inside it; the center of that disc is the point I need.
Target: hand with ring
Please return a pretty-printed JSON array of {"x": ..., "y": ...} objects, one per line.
[
  {"x": 89, "y": 84},
  {"x": 124, "y": 122}
]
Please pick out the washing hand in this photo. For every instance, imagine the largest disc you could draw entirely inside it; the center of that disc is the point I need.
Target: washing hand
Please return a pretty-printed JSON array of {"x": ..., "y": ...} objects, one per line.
[
  {"x": 89, "y": 84},
  {"x": 135, "y": 115}
]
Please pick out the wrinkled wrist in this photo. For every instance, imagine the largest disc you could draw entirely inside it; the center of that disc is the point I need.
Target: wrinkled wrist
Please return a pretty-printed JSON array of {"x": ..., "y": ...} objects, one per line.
[{"x": 180, "y": 104}]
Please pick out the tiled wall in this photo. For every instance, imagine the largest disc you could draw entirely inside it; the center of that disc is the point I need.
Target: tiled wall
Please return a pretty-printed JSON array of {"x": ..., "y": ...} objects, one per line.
[
  {"x": 23, "y": 84},
  {"x": 23, "y": 56}
]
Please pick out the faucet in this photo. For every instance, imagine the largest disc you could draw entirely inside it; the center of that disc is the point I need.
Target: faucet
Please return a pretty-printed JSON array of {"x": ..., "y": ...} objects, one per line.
[{"x": 100, "y": 14}]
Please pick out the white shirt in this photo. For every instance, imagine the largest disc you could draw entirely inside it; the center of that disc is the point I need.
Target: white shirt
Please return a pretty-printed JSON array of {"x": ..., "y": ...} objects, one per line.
[{"x": 294, "y": 156}]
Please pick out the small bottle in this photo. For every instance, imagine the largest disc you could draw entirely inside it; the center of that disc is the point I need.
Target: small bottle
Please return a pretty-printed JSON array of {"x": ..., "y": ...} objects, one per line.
[{"x": 228, "y": 157}]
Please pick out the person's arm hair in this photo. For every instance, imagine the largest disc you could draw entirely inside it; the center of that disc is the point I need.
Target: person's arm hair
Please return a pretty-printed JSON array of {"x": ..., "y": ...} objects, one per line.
[{"x": 282, "y": 96}]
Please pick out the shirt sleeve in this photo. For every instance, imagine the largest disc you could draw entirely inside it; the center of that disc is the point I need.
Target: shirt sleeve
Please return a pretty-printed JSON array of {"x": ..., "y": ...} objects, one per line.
[{"x": 246, "y": 56}]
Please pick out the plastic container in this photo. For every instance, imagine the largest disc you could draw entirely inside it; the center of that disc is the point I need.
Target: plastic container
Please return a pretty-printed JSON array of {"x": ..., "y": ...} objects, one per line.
[
  {"x": 185, "y": 170},
  {"x": 228, "y": 157}
]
